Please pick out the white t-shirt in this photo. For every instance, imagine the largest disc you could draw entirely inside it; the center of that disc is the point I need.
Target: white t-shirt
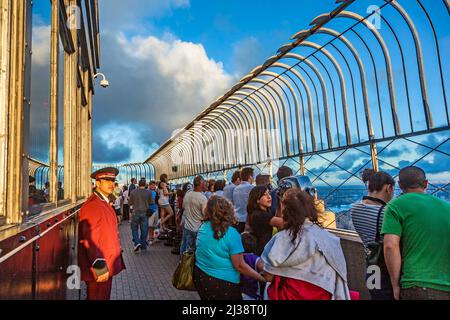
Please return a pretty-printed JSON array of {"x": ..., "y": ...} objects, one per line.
[
  {"x": 193, "y": 204},
  {"x": 125, "y": 197},
  {"x": 163, "y": 200},
  {"x": 117, "y": 203}
]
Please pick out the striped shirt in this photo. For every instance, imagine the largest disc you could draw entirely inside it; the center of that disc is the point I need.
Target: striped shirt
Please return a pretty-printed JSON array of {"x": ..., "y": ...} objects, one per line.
[{"x": 364, "y": 217}]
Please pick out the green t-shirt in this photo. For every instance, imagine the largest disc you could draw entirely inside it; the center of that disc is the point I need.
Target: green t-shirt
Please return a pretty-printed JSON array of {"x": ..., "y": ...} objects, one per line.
[{"x": 423, "y": 223}]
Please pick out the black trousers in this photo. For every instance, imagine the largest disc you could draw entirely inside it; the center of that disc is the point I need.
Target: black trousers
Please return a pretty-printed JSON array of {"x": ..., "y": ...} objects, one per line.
[
  {"x": 210, "y": 288},
  {"x": 126, "y": 212}
]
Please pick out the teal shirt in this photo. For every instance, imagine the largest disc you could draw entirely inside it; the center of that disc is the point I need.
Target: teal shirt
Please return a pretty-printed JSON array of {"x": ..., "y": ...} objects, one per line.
[
  {"x": 422, "y": 222},
  {"x": 214, "y": 256}
]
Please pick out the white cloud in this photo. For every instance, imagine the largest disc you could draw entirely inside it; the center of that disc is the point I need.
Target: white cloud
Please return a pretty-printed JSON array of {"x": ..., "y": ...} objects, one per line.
[
  {"x": 116, "y": 136},
  {"x": 41, "y": 45},
  {"x": 162, "y": 83},
  {"x": 185, "y": 64}
]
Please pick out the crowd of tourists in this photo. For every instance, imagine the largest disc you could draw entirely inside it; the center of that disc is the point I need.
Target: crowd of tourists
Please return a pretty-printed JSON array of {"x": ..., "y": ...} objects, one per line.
[{"x": 253, "y": 240}]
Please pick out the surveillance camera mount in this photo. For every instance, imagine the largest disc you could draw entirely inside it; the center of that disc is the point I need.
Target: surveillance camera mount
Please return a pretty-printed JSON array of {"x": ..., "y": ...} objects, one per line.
[{"x": 104, "y": 83}]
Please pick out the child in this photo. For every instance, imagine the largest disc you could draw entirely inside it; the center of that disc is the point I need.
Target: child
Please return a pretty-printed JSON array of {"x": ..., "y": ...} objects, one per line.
[{"x": 249, "y": 287}]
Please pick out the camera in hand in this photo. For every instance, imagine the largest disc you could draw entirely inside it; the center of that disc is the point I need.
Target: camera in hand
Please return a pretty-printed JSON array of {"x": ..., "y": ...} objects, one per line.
[{"x": 298, "y": 182}]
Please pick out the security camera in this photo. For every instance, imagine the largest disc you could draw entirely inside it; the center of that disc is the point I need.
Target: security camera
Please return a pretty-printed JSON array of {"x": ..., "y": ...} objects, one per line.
[{"x": 104, "y": 83}]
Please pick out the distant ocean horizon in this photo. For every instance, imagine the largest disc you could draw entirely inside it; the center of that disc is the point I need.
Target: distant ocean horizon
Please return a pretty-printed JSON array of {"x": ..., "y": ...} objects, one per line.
[{"x": 341, "y": 200}]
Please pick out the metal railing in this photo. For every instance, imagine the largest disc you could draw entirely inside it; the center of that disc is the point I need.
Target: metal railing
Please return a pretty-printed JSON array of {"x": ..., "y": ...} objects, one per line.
[{"x": 344, "y": 83}]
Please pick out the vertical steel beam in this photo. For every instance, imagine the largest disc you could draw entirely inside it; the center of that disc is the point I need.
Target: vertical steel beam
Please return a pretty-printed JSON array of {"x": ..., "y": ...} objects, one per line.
[
  {"x": 302, "y": 164},
  {"x": 89, "y": 139},
  {"x": 5, "y": 34},
  {"x": 54, "y": 89},
  {"x": 84, "y": 135},
  {"x": 70, "y": 116},
  {"x": 16, "y": 181},
  {"x": 78, "y": 124},
  {"x": 374, "y": 156}
]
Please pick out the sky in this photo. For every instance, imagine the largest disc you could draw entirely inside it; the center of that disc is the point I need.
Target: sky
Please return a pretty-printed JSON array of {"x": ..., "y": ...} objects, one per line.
[{"x": 166, "y": 61}]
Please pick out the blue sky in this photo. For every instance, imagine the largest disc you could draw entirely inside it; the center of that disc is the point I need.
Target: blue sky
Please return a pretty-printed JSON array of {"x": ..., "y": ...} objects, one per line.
[{"x": 167, "y": 60}]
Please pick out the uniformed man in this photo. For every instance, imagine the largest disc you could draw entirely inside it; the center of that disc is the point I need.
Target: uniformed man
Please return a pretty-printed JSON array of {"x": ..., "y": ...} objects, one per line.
[{"x": 99, "y": 251}]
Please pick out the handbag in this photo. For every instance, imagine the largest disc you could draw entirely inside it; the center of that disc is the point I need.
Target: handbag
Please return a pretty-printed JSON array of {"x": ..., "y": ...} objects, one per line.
[
  {"x": 375, "y": 255},
  {"x": 182, "y": 278}
]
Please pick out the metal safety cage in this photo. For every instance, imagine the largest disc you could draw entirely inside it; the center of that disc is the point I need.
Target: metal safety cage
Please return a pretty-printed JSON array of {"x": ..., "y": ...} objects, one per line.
[{"x": 354, "y": 79}]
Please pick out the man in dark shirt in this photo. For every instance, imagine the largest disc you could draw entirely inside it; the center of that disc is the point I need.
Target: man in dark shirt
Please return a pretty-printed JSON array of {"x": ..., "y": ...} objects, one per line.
[
  {"x": 140, "y": 201},
  {"x": 283, "y": 172}
]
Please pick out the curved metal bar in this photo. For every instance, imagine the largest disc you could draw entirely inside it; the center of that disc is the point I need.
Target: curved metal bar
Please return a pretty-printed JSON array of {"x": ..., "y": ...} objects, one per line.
[
  {"x": 135, "y": 171},
  {"x": 310, "y": 105},
  {"x": 225, "y": 127},
  {"x": 419, "y": 55},
  {"x": 324, "y": 92},
  {"x": 239, "y": 126},
  {"x": 147, "y": 176},
  {"x": 197, "y": 147},
  {"x": 362, "y": 73},
  {"x": 245, "y": 135},
  {"x": 276, "y": 77},
  {"x": 438, "y": 54},
  {"x": 352, "y": 81},
  {"x": 279, "y": 107},
  {"x": 214, "y": 141},
  {"x": 342, "y": 84},
  {"x": 260, "y": 91},
  {"x": 179, "y": 147},
  {"x": 187, "y": 141},
  {"x": 387, "y": 58},
  {"x": 260, "y": 106},
  {"x": 258, "y": 123},
  {"x": 376, "y": 80},
  {"x": 219, "y": 126},
  {"x": 265, "y": 104},
  {"x": 316, "y": 95},
  {"x": 249, "y": 132}
]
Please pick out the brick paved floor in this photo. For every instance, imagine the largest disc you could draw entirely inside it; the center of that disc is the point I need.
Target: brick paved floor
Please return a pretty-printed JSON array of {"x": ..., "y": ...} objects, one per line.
[{"x": 149, "y": 273}]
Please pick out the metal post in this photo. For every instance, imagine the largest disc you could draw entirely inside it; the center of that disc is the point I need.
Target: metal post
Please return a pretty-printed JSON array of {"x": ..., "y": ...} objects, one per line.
[
  {"x": 374, "y": 155},
  {"x": 89, "y": 139},
  {"x": 74, "y": 106},
  {"x": 19, "y": 50},
  {"x": 54, "y": 88},
  {"x": 5, "y": 16},
  {"x": 270, "y": 168},
  {"x": 302, "y": 165},
  {"x": 84, "y": 132},
  {"x": 78, "y": 159}
]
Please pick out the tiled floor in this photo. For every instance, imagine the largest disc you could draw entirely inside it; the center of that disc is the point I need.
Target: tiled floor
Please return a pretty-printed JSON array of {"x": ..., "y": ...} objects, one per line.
[{"x": 149, "y": 273}]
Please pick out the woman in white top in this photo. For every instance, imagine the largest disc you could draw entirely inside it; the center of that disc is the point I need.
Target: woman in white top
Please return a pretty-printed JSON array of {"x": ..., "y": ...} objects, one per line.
[
  {"x": 125, "y": 206},
  {"x": 163, "y": 202}
]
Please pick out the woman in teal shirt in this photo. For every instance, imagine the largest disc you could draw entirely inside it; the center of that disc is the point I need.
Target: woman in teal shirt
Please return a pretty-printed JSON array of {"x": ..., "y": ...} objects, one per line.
[{"x": 219, "y": 254}]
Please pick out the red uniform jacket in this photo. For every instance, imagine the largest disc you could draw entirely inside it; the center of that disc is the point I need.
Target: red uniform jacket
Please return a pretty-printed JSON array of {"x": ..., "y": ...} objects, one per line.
[{"x": 98, "y": 238}]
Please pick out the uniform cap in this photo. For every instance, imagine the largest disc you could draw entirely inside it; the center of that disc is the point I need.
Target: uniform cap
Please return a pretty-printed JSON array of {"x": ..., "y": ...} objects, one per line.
[{"x": 105, "y": 173}]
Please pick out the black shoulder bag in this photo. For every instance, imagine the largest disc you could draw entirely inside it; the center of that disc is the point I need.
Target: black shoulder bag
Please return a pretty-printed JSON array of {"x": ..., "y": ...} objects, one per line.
[{"x": 375, "y": 255}]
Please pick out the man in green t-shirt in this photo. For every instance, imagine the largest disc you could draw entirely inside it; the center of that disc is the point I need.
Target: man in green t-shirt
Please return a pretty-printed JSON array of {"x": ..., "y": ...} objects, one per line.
[{"x": 416, "y": 230}]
